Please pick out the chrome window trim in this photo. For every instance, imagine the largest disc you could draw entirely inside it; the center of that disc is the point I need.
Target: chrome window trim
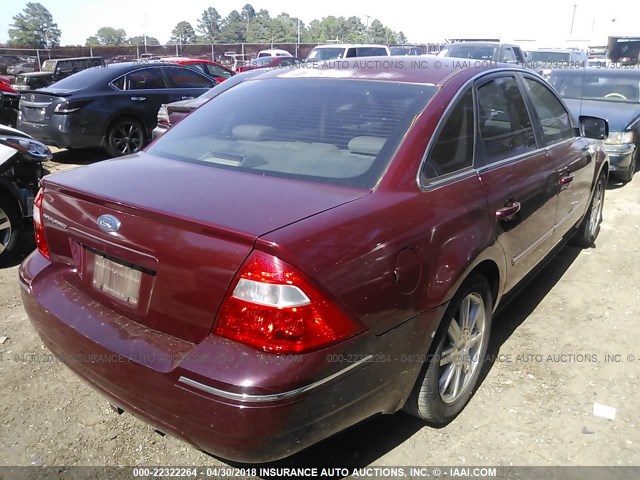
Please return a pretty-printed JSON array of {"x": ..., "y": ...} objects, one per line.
[
  {"x": 429, "y": 185},
  {"x": 244, "y": 397},
  {"x": 509, "y": 160}
]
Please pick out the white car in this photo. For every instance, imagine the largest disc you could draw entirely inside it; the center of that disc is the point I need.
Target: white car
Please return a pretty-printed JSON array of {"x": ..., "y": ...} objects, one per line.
[
  {"x": 274, "y": 52},
  {"x": 340, "y": 51}
]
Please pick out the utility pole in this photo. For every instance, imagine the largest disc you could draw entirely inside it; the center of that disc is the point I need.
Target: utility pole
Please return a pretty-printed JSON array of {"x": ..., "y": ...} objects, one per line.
[
  {"x": 367, "y": 29},
  {"x": 298, "y": 44},
  {"x": 573, "y": 17}
]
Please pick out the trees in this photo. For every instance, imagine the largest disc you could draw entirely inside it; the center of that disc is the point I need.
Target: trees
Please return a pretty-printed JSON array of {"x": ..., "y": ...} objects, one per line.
[
  {"x": 108, "y": 36},
  {"x": 377, "y": 32},
  {"x": 234, "y": 28},
  {"x": 34, "y": 28},
  {"x": 183, "y": 33},
  {"x": 209, "y": 24},
  {"x": 139, "y": 40}
]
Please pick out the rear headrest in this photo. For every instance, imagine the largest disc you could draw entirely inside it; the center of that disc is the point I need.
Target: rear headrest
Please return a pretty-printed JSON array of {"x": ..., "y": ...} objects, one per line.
[
  {"x": 253, "y": 132},
  {"x": 366, "y": 145}
]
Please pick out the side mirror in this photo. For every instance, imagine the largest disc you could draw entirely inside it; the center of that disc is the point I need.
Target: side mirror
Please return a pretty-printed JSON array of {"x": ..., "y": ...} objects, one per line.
[{"x": 593, "y": 127}]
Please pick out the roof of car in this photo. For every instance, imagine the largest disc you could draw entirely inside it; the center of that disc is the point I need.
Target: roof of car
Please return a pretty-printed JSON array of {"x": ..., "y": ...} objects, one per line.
[
  {"x": 425, "y": 69},
  {"x": 486, "y": 44},
  {"x": 184, "y": 59},
  {"x": 628, "y": 72},
  {"x": 349, "y": 45},
  {"x": 557, "y": 50},
  {"x": 72, "y": 58}
]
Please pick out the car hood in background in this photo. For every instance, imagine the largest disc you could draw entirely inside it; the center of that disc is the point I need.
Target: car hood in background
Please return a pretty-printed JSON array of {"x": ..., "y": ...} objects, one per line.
[{"x": 619, "y": 114}]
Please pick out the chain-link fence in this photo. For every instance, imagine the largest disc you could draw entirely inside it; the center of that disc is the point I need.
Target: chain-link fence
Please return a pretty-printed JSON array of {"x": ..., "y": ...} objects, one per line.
[{"x": 225, "y": 53}]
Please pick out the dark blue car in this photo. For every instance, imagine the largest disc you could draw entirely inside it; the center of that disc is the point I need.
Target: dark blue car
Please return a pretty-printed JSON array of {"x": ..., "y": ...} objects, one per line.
[
  {"x": 612, "y": 94},
  {"x": 114, "y": 106}
]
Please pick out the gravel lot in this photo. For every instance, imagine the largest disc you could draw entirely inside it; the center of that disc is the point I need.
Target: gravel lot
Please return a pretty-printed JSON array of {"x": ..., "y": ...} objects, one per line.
[{"x": 569, "y": 340}]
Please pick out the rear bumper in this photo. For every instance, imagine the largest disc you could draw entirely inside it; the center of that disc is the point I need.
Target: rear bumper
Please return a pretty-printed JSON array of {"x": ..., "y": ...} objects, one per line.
[
  {"x": 62, "y": 131},
  {"x": 620, "y": 156},
  {"x": 206, "y": 393},
  {"x": 158, "y": 132}
]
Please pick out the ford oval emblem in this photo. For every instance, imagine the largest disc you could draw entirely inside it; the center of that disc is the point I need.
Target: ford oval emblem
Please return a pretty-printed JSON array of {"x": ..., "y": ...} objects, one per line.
[{"x": 109, "y": 223}]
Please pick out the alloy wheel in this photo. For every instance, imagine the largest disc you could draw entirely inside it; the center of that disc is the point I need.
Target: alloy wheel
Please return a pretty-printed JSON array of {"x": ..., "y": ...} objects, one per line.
[
  {"x": 461, "y": 356},
  {"x": 595, "y": 216},
  {"x": 127, "y": 137},
  {"x": 5, "y": 230}
]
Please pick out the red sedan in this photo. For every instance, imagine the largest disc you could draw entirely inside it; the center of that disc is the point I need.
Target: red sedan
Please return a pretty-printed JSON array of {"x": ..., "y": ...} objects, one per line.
[
  {"x": 212, "y": 69},
  {"x": 311, "y": 248}
]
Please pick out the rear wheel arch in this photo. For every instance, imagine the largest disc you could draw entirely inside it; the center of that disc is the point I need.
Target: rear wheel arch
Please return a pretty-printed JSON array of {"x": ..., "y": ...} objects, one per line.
[
  {"x": 120, "y": 118},
  {"x": 489, "y": 270},
  {"x": 492, "y": 265}
]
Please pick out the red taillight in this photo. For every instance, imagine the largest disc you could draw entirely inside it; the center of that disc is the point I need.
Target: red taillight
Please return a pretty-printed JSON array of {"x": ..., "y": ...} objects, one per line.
[
  {"x": 163, "y": 116},
  {"x": 41, "y": 240},
  {"x": 273, "y": 307}
]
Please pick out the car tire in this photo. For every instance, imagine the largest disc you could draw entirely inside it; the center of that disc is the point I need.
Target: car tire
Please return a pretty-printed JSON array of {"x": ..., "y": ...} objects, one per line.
[
  {"x": 125, "y": 136},
  {"x": 589, "y": 229},
  {"x": 450, "y": 374},
  {"x": 10, "y": 230}
]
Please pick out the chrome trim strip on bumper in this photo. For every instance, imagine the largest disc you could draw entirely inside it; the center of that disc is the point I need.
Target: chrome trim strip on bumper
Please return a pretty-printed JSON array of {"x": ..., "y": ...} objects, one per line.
[{"x": 243, "y": 397}]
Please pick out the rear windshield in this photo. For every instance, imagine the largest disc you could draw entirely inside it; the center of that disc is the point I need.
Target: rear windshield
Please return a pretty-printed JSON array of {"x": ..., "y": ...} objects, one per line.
[
  {"x": 549, "y": 57},
  {"x": 48, "y": 66},
  {"x": 331, "y": 130},
  {"x": 476, "y": 52},
  {"x": 83, "y": 79},
  {"x": 319, "y": 54}
]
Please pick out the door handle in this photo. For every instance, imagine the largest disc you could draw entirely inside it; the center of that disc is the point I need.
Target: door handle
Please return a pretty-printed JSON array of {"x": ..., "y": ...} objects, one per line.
[
  {"x": 566, "y": 180},
  {"x": 508, "y": 211},
  {"x": 138, "y": 99},
  {"x": 187, "y": 98}
]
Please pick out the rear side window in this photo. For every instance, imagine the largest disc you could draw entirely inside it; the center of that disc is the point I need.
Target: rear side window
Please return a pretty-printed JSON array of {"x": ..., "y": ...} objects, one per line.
[
  {"x": 187, "y": 78},
  {"x": 145, "y": 79},
  {"x": 508, "y": 55},
  {"x": 554, "y": 118},
  {"x": 503, "y": 120},
  {"x": 216, "y": 71},
  {"x": 453, "y": 148},
  {"x": 336, "y": 131}
]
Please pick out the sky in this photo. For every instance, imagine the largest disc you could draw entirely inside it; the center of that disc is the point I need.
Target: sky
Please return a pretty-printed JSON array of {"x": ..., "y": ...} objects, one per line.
[{"x": 546, "y": 21}]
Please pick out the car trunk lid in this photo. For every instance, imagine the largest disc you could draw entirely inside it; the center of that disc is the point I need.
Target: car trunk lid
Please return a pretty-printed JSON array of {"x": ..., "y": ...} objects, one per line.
[
  {"x": 37, "y": 106},
  {"x": 163, "y": 250}
]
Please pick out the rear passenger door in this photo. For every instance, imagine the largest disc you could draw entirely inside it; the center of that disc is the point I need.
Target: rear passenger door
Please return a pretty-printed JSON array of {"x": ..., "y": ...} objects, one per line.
[
  {"x": 570, "y": 153},
  {"x": 517, "y": 173}
]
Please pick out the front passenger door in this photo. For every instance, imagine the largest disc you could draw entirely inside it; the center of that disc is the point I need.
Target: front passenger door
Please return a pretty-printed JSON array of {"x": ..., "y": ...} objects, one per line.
[
  {"x": 518, "y": 176},
  {"x": 571, "y": 155}
]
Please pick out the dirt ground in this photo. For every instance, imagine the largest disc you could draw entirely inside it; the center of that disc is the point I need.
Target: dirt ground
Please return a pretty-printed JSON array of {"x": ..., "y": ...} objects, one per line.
[{"x": 569, "y": 340}]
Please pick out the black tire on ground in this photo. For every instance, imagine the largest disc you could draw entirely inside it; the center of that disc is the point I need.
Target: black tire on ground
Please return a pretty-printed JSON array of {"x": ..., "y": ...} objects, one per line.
[
  {"x": 589, "y": 229},
  {"x": 10, "y": 229},
  {"x": 435, "y": 397},
  {"x": 125, "y": 136}
]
